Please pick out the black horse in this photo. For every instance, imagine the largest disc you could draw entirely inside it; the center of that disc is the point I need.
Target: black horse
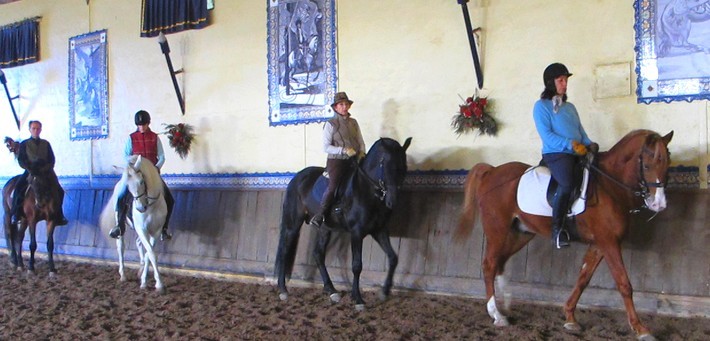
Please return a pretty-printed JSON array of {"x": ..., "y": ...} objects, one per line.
[{"x": 362, "y": 208}]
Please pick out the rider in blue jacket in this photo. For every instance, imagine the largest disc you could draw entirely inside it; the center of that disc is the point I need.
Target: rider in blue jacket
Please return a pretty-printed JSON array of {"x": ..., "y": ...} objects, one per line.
[{"x": 563, "y": 141}]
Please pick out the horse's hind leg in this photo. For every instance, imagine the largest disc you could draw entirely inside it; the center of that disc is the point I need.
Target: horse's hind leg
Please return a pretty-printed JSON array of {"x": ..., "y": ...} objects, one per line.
[
  {"x": 383, "y": 238},
  {"x": 591, "y": 260},
  {"x": 319, "y": 256},
  {"x": 288, "y": 243},
  {"x": 502, "y": 241}
]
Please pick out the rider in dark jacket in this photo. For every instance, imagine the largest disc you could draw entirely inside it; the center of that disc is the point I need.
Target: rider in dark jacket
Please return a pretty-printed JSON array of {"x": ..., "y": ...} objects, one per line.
[{"x": 36, "y": 157}]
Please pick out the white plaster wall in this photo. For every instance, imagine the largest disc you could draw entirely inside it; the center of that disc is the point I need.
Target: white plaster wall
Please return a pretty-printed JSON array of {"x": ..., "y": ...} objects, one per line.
[{"x": 404, "y": 63}]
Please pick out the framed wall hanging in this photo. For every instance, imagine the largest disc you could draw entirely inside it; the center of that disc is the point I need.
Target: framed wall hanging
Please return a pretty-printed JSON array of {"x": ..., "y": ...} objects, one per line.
[
  {"x": 88, "y": 86},
  {"x": 301, "y": 60},
  {"x": 672, "y": 50}
]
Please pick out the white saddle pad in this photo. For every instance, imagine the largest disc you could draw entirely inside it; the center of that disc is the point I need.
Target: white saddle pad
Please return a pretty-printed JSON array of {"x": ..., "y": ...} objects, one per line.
[{"x": 532, "y": 192}]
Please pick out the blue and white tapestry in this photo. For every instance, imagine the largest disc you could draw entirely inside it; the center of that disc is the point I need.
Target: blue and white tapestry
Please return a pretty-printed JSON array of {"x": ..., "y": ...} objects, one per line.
[
  {"x": 672, "y": 50},
  {"x": 88, "y": 86},
  {"x": 302, "y": 63}
]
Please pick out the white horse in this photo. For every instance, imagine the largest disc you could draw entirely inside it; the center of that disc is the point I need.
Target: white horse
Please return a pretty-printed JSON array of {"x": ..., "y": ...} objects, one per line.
[{"x": 142, "y": 179}]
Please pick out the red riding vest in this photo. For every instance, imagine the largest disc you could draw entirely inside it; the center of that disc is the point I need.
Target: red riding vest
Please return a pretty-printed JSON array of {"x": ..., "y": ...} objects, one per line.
[{"x": 145, "y": 145}]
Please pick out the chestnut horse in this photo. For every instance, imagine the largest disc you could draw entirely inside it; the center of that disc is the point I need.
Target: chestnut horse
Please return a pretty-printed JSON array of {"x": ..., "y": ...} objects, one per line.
[{"x": 632, "y": 174}]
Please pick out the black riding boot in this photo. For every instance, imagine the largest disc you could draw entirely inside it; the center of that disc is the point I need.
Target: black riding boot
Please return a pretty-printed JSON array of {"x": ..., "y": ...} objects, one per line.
[
  {"x": 169, "y": 202},
  {"x": 17, "y": 211},
  {"x": 121, "y": 213},
  {"x": 560, "y": 236},
  {"x": 319, "y": 218}
]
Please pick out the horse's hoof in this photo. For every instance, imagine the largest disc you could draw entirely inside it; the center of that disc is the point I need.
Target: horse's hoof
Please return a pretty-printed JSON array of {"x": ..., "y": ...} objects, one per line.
[
  {"x": 382, "y": 296},
  {"x": 646, "y": 337},
  {"x": 501, "y": 322},
  {"x": 160, "y": 290},
  {"x": 283, "y": 296},
  {"x": 19, "y": 269},
  {"x": 573, "y": 326},
  {"x": 359, "y": 307},
  {"x": 52, "y": 275},
  {"x": 335, "y": 297},
  {"x": 122, "y": 279},
  {"x": 143, "y": 286}
]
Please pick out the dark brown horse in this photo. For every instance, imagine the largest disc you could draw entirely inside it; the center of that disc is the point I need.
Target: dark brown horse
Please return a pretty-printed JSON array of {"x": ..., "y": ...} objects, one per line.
[
  {"x": 41, "y": 203},
  {"x": 632, "y": 174}
]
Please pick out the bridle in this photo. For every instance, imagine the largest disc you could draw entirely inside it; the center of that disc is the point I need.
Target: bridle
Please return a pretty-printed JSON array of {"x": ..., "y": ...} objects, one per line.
[
  {"x": 150, "y": 200},
  {"x": 645, "y": 187},
  {"x": 378, "y": 185}
]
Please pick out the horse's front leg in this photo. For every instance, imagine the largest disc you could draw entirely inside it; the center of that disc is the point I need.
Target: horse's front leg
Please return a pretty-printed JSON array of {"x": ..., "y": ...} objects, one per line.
[
  {"x": 120, "y": 248},
  {"x": 383, "y": 238},
  {"x": 591, "y": 260},
  {"x": 50, "y": 249},
  {"x": 19, "y": 237},
  {"x": 153, "y": 259},
  {"x": 319, "y": 256},
  {"x": 612, "y": 253},
  {"x": 356, "y": 250},
  {"x": 33, "y": 247}
]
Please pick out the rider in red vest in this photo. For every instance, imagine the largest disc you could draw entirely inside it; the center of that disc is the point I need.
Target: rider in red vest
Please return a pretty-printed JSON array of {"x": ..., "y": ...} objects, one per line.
[{"x": 146, "y": 143}]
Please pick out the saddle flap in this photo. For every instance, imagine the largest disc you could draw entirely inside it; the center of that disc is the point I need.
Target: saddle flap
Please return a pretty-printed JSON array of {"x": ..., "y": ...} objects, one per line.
[{"x": 533, "y": 188}]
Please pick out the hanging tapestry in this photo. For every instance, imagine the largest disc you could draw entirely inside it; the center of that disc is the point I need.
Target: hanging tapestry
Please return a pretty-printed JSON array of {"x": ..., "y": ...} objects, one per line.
[
  {"x": 169, "y": 16},
  {"x": 88, "y": 86},
  {"x": 19, "y": 43},
  {"x": 302, "y": 64}
]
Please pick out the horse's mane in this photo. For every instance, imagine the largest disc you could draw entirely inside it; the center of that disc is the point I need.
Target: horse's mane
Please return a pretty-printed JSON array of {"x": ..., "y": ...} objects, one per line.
[{"x": 643, "y": 134}]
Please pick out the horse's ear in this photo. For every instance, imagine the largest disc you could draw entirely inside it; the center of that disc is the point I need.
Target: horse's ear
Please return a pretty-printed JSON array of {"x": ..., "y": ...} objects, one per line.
[
  {"x": 668, "y": 137},
  {"x": 406, "y": 143}
]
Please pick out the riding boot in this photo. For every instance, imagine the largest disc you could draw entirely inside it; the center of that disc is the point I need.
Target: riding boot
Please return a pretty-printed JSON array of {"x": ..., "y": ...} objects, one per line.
[
  {"x": 319, "y": 218},
  {"x": 121, "y": 213},
  {"x": 169, "y": 202},
  {"x": 17, "y": 212},
  {"x": 560, "y": 236}
]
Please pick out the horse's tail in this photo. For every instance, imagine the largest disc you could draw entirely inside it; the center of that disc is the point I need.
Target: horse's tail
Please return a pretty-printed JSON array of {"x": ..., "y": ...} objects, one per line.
[
  {"x": 290, "y": 231},
  {"x": 107, "y": 219},
  {"x": 467, "y": 218}
]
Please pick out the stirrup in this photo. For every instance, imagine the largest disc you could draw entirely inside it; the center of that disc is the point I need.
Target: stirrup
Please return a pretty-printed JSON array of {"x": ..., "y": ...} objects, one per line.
[{"x": 561, "y": 239}]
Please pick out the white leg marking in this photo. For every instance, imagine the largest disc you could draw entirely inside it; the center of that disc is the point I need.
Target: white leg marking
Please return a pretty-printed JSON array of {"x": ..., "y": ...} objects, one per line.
[{"x": 499, "y": 320}]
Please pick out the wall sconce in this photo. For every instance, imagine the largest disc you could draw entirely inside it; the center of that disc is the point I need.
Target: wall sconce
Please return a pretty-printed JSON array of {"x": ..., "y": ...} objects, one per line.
[
  {"x": 3, "y": 80},
  {"x": 166, "y": 51},
  {"x": 472, "y": 42}
]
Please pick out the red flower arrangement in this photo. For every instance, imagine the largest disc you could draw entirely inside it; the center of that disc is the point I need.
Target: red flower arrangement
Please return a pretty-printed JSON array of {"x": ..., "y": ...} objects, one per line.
[
  {"x": 181, "y": 137},
  {"x": 474, "y": 114}
]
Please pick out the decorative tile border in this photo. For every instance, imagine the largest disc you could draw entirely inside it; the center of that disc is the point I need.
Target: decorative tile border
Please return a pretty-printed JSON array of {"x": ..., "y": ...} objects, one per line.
[{"x": 417, "y": 180}]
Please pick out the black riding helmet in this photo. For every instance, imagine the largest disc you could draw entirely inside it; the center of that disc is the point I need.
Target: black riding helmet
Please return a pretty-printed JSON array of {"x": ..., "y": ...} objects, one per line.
[
  {"x": 553, "y": 71},
  {"x": 142, "y": 117}
]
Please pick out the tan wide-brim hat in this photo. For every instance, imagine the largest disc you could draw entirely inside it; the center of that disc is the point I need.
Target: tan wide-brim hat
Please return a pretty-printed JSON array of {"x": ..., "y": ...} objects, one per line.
[{"x": 341, "y": 97}]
